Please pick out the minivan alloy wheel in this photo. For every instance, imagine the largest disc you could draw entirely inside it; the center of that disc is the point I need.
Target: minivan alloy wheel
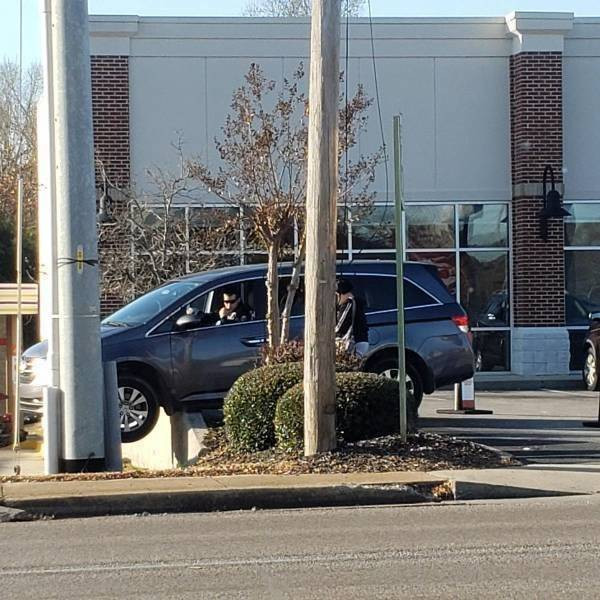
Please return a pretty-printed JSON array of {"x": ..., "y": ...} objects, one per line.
[
  {"x": 590, "y": 370},
  {"x": 393, "y": 374},
  {"x": 138, "y": 407},
  {"x": 388, "y": 367},
  {"x": 133, "y": 408}
]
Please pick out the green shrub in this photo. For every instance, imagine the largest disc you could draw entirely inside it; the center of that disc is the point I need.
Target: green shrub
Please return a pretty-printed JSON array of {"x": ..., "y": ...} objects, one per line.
[
  {"x": 293, "y": 351},
  {"x": 249, "y": 406},
  {"x": 366, "y": 407}
]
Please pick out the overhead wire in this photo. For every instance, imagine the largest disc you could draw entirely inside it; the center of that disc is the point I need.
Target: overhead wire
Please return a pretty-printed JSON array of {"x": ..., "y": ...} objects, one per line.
[
  {"x": 381, "y": 130},
  {"x": 345, "y": 250}
]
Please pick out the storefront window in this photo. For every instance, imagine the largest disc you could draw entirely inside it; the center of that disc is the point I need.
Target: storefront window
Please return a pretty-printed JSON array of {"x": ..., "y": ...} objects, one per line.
[
  {"x": 483, "y": 225},
  {"x": 445, "y": 263},
  {"x": 430, "y": 226},
  {"x": 376, "y": 230},
  {"x": 582, "y": 228},
  {"x": 582, "y": 273},
  {"x": 492, "y": 350},
  {"x": 483, "y": 288},
  {"x": 582, "y": 282}
]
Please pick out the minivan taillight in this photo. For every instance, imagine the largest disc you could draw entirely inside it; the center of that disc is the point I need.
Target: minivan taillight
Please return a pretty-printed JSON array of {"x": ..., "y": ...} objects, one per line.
[{"x": 462, "y": 322}]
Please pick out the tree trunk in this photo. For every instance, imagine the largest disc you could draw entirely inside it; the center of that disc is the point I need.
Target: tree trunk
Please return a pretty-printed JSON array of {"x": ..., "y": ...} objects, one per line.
[
  {"x": 273, "y": 321},
  {"x": 291, "y": 292}
]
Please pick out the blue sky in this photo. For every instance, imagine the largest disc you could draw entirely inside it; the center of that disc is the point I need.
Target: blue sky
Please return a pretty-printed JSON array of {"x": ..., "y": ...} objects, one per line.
[{"x": 9, "y": 13}]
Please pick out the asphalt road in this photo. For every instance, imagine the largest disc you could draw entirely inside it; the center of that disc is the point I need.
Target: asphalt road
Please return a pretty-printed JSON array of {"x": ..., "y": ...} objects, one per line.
[
  {"x": 539, "y": 427},
  {"x": 519, "y": 549}
]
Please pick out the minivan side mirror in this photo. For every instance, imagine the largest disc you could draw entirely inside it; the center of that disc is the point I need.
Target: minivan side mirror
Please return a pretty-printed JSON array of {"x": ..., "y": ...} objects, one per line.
[
  {"x": 195, "y": 320},
  {"x": 594, "y": 316}
]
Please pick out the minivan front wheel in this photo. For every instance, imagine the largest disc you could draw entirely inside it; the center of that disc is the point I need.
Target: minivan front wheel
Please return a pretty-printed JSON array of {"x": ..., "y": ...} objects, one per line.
[
  {"x": 138, "y": 408},
  {"x": 388, "y": 367}
]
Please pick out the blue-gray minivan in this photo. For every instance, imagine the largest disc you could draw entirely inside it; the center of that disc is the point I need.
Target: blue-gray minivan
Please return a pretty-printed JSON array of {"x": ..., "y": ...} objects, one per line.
[{"x": 164, "y": 360}]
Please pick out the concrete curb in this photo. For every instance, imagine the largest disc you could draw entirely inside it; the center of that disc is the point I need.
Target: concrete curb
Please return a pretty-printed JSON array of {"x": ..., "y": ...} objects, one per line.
[
  {"x": 471, "y": 490},
  {"x": 10, "y": 515},
  {"x": 228, "y": 499}
]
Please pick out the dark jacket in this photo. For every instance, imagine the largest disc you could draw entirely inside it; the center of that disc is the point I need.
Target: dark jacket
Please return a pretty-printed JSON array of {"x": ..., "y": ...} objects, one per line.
[{"x": 352, "y": 321}]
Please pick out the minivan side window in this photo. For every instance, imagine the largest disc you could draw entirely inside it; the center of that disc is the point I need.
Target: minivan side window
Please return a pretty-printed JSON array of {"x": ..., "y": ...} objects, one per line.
[{"x": 379, "y": 293}]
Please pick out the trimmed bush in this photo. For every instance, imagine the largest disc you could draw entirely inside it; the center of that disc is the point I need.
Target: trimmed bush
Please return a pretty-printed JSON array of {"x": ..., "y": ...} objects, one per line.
[
  {"x": 366, "y": 407},
  {"x": 249, "y": 407},
  {"x": 293, "y": 351}
]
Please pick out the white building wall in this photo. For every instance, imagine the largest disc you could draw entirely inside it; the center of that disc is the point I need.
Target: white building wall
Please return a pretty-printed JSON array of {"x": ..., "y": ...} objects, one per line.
[
  {"x": 448, "y": 77},
  {"x": 581, "y": 112}
]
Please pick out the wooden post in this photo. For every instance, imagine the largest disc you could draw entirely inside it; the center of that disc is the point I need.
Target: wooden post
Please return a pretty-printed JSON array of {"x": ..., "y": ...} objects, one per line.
[{"x": 321, "y": 200}]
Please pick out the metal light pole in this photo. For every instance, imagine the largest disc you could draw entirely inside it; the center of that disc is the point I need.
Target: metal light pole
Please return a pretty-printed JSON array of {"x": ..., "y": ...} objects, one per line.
[
  {"x": 399, "y": 197},
  {"x": 81, "y": 377},
  {"x": 19, "y": 253}
]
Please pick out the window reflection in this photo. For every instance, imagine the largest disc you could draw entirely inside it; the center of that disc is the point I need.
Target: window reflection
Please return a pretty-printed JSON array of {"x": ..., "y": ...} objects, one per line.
[
  {"x": 375, "y": 230},
  {"x": 483, "y": 288},
  {"x": 582, "y": 228},
  {"x": 445, "y": 263},
  {"x": 430, "y": 226},
  {"x": 582, "y": 282},
  {"x": 492, "y": 350},
  {"x": 483, "y": 225}
]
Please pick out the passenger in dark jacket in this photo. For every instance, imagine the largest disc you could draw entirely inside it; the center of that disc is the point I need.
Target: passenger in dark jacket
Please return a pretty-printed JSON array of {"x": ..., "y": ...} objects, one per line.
[{"x": 351, "y": 331}]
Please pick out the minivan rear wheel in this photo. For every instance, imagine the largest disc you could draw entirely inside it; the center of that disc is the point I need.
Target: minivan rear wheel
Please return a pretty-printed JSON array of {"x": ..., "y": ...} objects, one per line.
[
  {"x": 138, "y": 408},
  {"x": 388, "y": 367}
]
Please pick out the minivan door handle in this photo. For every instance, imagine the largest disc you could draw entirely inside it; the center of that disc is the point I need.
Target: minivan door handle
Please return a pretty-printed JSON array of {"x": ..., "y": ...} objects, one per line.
[{"x": 253, "y": 342}]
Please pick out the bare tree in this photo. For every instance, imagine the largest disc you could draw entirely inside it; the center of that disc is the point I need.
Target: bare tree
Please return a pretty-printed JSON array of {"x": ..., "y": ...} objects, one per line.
[
  {"x": 263, "y": 172},
  {"x": 18, "y": 152},
  {"x": 295, "y": 8},
  {"x": 151, "y": 239}
]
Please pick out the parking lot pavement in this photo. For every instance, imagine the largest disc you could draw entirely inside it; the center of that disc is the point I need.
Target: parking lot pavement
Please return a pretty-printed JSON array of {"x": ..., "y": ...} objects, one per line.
[{"x": 541, "y": 427}]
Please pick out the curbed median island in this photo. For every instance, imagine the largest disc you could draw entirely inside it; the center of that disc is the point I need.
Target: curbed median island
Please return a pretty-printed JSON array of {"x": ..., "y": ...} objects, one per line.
[
  {"x": 263, "y": 433},
  {"x": 422, "y": 452},
  {"x": 387, "y": 454}
]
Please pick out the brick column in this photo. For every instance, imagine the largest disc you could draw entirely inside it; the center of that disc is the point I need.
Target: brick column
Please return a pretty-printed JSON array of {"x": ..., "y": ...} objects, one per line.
[
  {"x": 110, "y": 109},
  {"x": 540, "y": 341},
  {"x": 536, "y": 141}
]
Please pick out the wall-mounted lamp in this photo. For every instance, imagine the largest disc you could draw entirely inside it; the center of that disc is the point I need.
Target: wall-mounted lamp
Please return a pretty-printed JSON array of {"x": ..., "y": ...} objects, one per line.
[
  {"x": 553, "y": 208},
  {"x": 104, "y": 217}
]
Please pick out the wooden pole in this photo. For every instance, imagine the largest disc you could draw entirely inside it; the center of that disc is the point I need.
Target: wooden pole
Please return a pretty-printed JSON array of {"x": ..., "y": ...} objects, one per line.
[{"x": 321, "y": 200}]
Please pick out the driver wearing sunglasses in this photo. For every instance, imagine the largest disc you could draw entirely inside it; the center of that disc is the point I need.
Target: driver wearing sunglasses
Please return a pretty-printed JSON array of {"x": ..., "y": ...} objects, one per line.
[{"x": 233, "y": 309}]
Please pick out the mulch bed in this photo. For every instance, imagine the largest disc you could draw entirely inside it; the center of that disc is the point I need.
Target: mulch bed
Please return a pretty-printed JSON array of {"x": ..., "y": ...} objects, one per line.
[{"x": 422, "y": 452}]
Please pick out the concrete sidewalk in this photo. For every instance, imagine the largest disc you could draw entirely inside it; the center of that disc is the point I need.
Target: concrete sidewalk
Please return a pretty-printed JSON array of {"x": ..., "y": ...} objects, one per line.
[
  {"x": 238, "y": 492},
  {"x": 542, "y": 427}
]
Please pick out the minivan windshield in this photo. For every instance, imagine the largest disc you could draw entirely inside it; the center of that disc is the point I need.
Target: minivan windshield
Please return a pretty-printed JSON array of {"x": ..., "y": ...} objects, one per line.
[{"x": 146, "y": 307}]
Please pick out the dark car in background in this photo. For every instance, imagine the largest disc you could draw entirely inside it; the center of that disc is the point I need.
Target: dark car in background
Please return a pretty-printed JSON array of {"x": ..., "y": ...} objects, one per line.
[
  {"x": 591, "y": 347},
  {"x": 170, "y": 351}
]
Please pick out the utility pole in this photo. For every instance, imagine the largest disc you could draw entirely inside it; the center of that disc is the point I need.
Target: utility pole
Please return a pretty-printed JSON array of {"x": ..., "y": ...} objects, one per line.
[
  {"x": 80, "y": 363},
  {"x": 321, "y": 200}
]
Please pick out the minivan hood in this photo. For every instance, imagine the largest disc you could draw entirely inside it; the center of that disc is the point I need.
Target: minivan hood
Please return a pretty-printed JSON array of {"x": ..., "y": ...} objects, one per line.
[{"x": 40, "y": 350}]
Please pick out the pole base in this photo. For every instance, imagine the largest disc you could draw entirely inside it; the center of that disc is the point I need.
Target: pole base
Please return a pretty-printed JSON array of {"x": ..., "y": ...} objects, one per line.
[
  {"x": 464, "y": 411},
  {"x": 595, "y": 424},
  {"x": 81, "y": 465}
]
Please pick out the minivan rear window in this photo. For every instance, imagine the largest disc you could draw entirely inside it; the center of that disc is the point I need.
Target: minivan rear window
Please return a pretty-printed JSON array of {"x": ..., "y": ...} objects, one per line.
[{"x": 379, "y": 293}]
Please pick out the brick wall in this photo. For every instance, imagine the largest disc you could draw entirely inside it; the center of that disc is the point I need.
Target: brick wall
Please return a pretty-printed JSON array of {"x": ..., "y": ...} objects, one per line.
[
  {"x": 536, "y": 141},
  {"x": 110, "y": 108}
]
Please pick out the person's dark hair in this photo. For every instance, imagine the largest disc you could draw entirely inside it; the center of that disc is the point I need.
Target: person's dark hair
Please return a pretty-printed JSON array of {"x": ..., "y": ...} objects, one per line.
[
  {"x": 231, "y": 292},
  {"x": 343, "y": 286}
]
